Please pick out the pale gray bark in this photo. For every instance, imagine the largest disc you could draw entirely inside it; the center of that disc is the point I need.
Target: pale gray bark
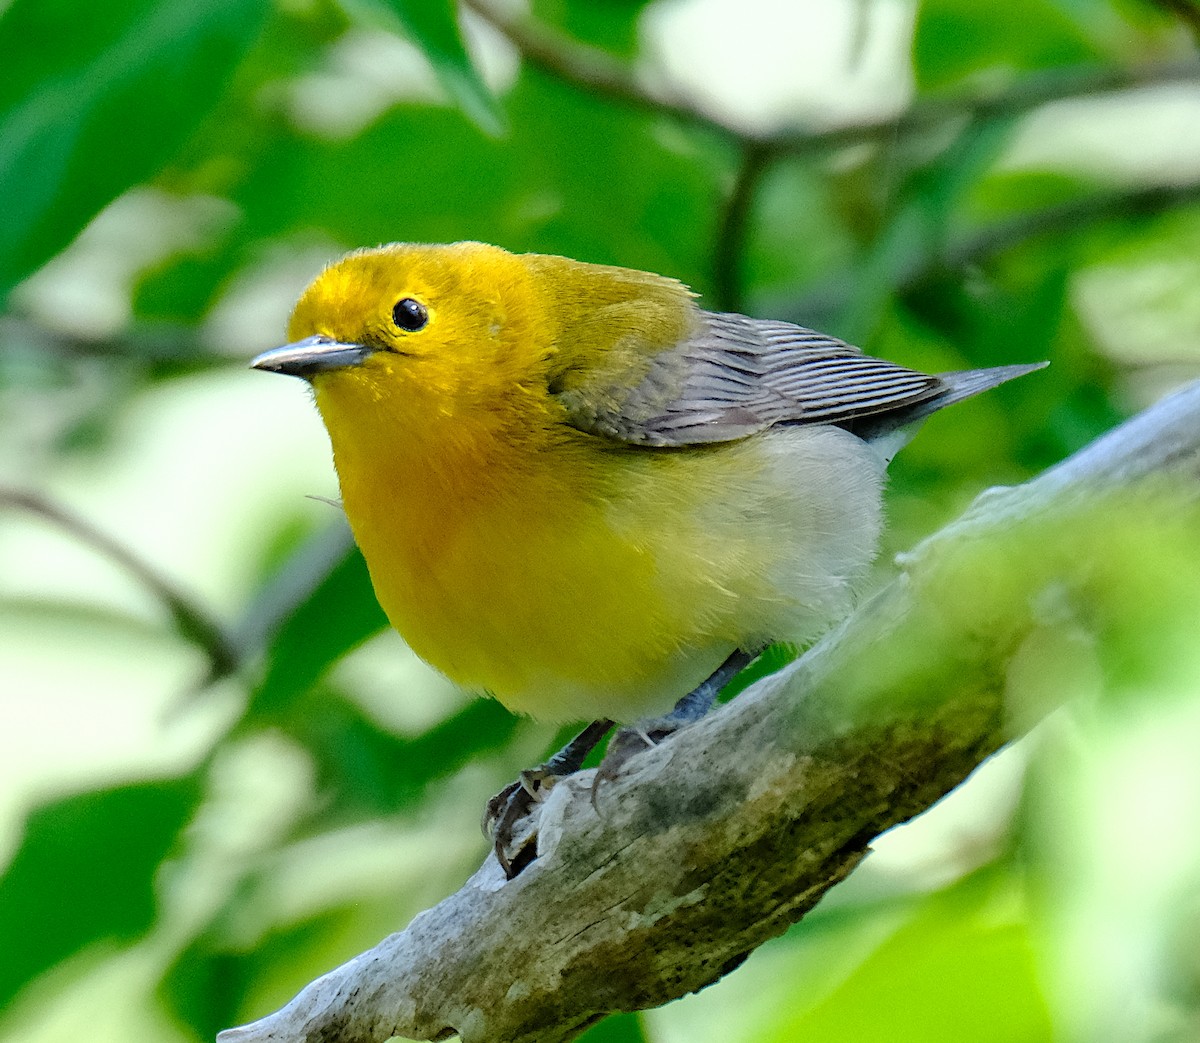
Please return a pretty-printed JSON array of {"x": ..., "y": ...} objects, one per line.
[{"x": 733, "y": 829}]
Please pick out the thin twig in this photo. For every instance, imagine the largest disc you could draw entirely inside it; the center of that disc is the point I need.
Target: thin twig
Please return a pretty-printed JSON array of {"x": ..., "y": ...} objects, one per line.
[
  {"x": 175, "y": 348},
  {"x": 1030, "y": 93},
  {"x": 293, "y": 583},
  {"x": 593, "y": 70},
  {"x": 191, "y": 620},
  {"x": 1055, "y": 220},
  {"x": 977, "y": 249},
  {"x": 734, "y": 225},
  {"x": 1187, "y": 11},
  {"x": 600, "y": 73}
]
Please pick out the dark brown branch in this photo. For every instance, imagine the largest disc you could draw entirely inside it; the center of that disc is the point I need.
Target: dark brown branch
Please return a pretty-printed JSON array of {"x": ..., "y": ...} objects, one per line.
[
  {"x": 162, "y": 347},
  {"x": 1055, "y": 220},
  {"x": 1030, "y": 93},
  {"x": 979, "y": 248},
  {"x": 598, "y": 72},
  {"x": 734, "y": 225},
  {"x": 1187, "y": 11},
  {"x": 592, "y": 69}
]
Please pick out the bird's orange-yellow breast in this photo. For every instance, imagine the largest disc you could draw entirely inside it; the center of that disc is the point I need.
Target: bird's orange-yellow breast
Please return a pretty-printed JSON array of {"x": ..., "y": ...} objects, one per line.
[{"x": 570, "y": 575}]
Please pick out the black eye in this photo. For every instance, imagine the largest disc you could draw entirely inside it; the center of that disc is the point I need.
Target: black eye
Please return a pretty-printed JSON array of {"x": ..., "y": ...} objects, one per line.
[{"x": 410, "y": 315}]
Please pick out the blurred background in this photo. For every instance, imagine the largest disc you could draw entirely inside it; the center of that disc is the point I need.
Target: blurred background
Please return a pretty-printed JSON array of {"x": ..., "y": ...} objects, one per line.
[{"x": 220, "y": 775}]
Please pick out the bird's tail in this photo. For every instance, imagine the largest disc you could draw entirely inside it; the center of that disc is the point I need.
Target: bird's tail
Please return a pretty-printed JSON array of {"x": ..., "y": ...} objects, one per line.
[
  {"x": 968, "y": 382},
  {"x": 889, "y": 432}
]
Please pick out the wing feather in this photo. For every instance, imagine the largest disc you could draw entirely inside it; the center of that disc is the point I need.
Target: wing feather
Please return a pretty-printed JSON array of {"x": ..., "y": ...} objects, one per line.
[{"x": 735, "y": 375}]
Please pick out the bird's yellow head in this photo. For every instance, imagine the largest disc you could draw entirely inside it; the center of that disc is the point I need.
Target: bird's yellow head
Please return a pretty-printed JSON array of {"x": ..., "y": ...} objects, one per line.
[
  {"x": 467, "y": 341},
  {"x": 441, "y": 328}
]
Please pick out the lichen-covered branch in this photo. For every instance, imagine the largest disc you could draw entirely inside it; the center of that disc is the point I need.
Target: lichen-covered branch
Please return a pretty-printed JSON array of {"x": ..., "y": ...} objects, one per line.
[{"x": 733, "y": 829}]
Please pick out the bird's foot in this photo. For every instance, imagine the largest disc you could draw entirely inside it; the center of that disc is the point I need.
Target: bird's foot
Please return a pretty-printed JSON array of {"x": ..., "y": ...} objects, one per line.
[
  {"x": 644, "y": 735},
  {"x": 508, "y": 818},
  {"x": 628, "y": 743}
]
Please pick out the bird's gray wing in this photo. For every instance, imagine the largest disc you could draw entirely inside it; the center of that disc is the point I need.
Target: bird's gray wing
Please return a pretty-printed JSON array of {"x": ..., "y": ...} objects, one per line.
[{"x": 734, "y": 376}]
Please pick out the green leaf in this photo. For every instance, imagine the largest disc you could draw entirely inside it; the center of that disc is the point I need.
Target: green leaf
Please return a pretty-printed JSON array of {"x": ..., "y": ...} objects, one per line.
[
  {"x": 616, "y": 1028},
  {"x": 433, "y": 27},
  {"x": 1004, "y": 193},
  {"x": 97, "y": 97},
  {"x": 957, "y": 39},
  {"x": 208, "y": 984},
  {"x": 612, "y": 24},
  {"x": 340, "y": 613},
  {"x": 85, "y": 872},
  {"x": 962, "y": 969},
  {"x": 368, "y": 771}
]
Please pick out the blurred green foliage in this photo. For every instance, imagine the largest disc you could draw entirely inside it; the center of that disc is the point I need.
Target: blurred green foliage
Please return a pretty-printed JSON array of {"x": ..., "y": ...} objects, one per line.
[
  {"x": 184, "y": 156},
  {"x": 434, "y": 28},
  {"x": 107, "y": 843},
  {"x": 904, "y": 991},
  {"x": 76, "y": 80}
]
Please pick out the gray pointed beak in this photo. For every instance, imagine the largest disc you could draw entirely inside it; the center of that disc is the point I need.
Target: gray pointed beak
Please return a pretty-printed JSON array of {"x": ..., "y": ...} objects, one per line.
[{"x": 311, "y": 356}]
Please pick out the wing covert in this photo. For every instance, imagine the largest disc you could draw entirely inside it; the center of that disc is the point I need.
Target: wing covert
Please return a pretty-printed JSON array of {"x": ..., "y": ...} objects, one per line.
[{"x": 735, "y": 375}]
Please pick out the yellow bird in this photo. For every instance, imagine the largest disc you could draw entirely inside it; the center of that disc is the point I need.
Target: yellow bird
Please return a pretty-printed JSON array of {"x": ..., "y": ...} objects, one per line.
[{"x": 580, "y": 492}]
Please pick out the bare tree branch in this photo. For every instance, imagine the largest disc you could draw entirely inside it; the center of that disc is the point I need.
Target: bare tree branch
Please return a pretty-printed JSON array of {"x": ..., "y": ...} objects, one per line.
[
  {"x": 601, "y": 73},
  {"x": 166, "y": 348},
  {"x": 190, "y": 619},
  {"x": 1029, "y": 93},
  {"x": 1062, "y": 219},
  {"x": 730, "y": 246},
  {"x": 591, "y": 68},
  {"x": 1187, "y": 11},
  {"x": 733, "y": 829},
  {"x": 831, "y": 296}
]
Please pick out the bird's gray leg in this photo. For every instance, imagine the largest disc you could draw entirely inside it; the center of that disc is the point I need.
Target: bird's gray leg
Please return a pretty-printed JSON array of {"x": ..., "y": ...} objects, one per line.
[
  {"x": 700, "y": 699},
  {"x": 515, "y": 801},
  {"x": 651, "y": 732}
]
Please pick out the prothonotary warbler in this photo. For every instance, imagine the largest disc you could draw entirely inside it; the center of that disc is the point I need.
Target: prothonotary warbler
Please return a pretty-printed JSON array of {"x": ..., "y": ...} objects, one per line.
[{"x": 579, "y": 491}]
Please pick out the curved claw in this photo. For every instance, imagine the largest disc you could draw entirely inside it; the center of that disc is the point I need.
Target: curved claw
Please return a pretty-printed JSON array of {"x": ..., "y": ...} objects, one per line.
[
  {"x": 495, "y": 807},
  {"x": 628, "y": 743},
  {"x": 514, "y": 803},
  {"x": 509, "y": 807}
]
